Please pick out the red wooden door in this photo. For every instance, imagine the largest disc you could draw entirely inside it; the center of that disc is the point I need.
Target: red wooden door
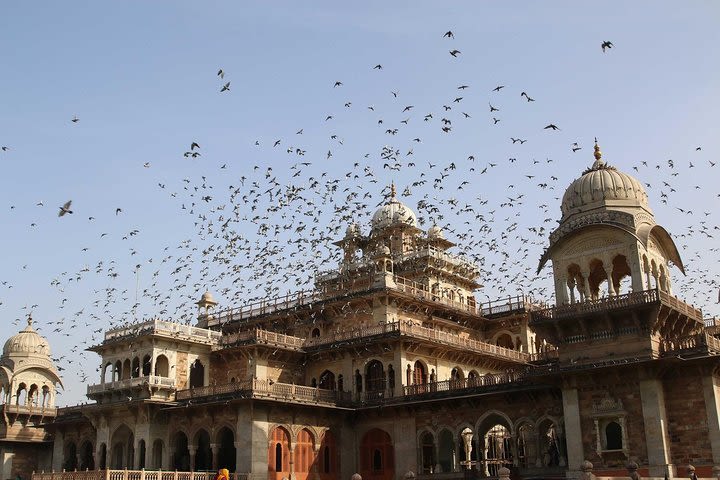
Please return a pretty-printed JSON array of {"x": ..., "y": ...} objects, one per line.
[
  {"x": 279, "y": 454},
  {"x": 377, "y": 456},
  {"x": 304, "y": 455}
]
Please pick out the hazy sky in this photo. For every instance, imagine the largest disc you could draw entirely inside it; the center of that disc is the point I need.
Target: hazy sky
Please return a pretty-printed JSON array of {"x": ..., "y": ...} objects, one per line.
[{"x": 140, "y": 77}]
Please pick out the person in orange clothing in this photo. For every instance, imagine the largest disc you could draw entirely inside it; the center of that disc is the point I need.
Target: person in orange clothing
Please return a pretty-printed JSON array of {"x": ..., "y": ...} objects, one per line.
[{"x": 223, "y": 474}]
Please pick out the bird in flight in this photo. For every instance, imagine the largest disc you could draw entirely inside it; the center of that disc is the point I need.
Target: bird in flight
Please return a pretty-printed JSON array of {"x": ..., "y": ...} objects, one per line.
[
  {"x": 523, "y": 94},
  {"x": 498, "y": 88},
  {"x": 225, "y": 88},
  {"x": 606, "y": 44},
  {"x": 449, "y": 34},
  {"x": 221, "y": 74},
  {"x": 65, "y": 209},
  {"x": 551, "y": 126},
  {"x": 455, "y": 53},
  {"x": 377, "y": 67},
  {"x": 337, "y": 84},
  {"x": 493, "y": 109},
  {"x": 118, "y": 210},
  {"x": 75, "y": 119}
]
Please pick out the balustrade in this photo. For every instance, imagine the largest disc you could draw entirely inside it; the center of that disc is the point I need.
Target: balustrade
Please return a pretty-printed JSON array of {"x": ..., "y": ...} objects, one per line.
[
  {"x": 152, "y": 380},
  {"x": 131, "y": 475}
]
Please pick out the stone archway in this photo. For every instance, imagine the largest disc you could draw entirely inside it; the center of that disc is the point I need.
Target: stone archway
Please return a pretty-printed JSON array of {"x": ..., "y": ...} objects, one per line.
[
  {"x": 181, "y": 457},
  {"x": 87, "y": 461},
  {"x": 226, "y": 452},
  {"x": 203, "y": 452},
  {"x": 122, "y": 448}
]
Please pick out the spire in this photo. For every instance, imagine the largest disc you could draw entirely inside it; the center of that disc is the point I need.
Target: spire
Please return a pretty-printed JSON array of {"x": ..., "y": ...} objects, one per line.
[
  {"x": 393, "y": 191},
  {"x": 29, "y": 320},
  {"x": 598, "y": 156}
]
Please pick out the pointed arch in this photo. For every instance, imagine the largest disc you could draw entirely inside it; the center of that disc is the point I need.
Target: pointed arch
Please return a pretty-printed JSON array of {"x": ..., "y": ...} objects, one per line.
[{"x": 279, "y": 453}]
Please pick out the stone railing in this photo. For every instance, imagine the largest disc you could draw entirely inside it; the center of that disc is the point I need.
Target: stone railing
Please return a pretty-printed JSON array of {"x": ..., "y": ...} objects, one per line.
[
  {"x": 422, "y": 292},
  {"x": 152, "y": 380},
  {"x": 285, "y": 392},
  {"x": 462, "y": 384},
  {"x": 632, "y": 299},
  {"x": 504, "y": 306},
  {"x": 702, "y": 342},
  {"x": 132, "y": 475},
  {"x": 35, "y": 410},
  {"x": 164, "y": 328},
  {"x": 417, "y": 331},
  {"x": 267, "y": 389},
  {"x": 435, "y": 253},
  {"x": 266, "y": 337}
]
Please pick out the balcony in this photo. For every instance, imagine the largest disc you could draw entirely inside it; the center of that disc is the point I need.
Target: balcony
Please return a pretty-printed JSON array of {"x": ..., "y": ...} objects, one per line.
[
  {"x": 702, "y": 344},
  {"x": 131, "y": 383},
  {"x": 617, "y": 302},
  {"x": 456, "y": 262},
  {"x": 502, "y": 307},
  {"x": 406, "y": 329},
  {"x": 266, "y": 389},
  {"x": 290, "y": 393},
  {"x": 32, "y": 410},
  {"x": 172, "y": 330},
  {"x": 262, "y": 337},
  {"x": 132, "y": 475}
]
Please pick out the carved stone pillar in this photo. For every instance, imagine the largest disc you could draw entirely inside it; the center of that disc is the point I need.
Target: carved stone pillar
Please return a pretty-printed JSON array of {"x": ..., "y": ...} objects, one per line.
[{"x": 215, "y": 448}]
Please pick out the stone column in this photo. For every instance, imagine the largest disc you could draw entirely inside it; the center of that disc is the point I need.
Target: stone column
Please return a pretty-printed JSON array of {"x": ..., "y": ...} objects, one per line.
[
  {"x": 573, "y": 430},
  {"x": 214, "y": 448},
  {"x": 711, "y": 393},
  {"x": 57, "y": 455},
  {"x": 611, "y": 287},
  {"x": 655, "y": 419},
  {"x": 292, "y": 462},
  {"x": 193, "y": 450}
]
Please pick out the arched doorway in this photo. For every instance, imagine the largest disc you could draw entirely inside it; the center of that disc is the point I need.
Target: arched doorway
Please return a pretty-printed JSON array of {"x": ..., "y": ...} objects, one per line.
[
  {"x": 181, "y": 458},
  {"x": 279, "y": 454},
  {"x": 141, "y": 454},
  {"x": 157, "y": 454},
  {"x": 122, "y": 448},
  {"x": 377, "y": 456},
  {"x": 505, "y": 341},
  {"x": 102, "y": 461},
  {"x": 419, "y": 376},
  {"x": 86, "y": 456},
  {"x": 447, "y": 458},
  {"x": 304, "y": 454},
  {"x": 197, "y": 374},
  {"x": 329, "y": 467},
  {"x": 327, "y": 380},
  {"x": 203, "y": 455},
  {"x": 126, "y": 369},
  {"x": 497, "y": 449},
  {"x": 427, "y": 450},
  {"x": 70, "y": 456},
  {"x": 226, "y": 453}
]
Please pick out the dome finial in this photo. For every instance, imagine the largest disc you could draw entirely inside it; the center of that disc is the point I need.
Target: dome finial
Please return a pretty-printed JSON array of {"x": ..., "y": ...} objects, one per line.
[
  {"x": 29, "y": 320},
  {"x": 393, "y": 191},
  {"x": 598, "y": 157}
]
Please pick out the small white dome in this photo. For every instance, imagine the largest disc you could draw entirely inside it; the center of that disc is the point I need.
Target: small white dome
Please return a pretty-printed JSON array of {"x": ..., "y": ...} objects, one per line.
[
  {"x": 28, "y": 341},
  {"x": 600, "y": 186},
  {"x": 435, "y": 233},
  {"x": 353, "y": 230}
]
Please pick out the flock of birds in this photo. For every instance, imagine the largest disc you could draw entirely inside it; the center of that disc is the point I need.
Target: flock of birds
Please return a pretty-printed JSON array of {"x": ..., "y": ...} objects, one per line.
[{"x": 267, "y": 231}]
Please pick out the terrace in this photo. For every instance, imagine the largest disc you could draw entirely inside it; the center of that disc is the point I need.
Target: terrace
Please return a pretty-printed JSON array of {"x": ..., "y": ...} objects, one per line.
[
  {"x": 162, "y": 328},
  {"x": 130, "y": 383}
]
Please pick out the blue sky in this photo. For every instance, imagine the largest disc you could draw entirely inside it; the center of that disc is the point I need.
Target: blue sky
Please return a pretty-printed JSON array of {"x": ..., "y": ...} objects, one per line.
[{"x": 141, "y": 79}]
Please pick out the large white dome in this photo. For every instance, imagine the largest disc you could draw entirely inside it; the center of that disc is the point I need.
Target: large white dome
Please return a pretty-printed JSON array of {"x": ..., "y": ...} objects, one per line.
[
  {"x": 393, "y": 213},
  {"x": 28, "y": 341}
]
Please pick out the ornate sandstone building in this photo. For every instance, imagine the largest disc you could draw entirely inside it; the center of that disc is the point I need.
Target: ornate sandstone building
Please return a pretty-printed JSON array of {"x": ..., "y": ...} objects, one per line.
[{"x": 389, "y": 362}]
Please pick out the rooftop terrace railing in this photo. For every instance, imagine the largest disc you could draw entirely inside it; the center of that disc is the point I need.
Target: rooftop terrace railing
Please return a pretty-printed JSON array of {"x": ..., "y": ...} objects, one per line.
[
  {"x": 36, "y": 410},
  {"x": 153, "y": 380},
  {"x": 164, "y": 328}
]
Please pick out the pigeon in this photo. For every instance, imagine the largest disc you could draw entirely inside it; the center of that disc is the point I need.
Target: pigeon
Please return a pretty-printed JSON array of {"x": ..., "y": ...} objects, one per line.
[{"x": 65, "y": 209}]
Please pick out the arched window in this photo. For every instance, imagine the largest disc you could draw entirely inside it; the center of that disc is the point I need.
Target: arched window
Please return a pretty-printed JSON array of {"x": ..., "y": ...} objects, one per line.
[
  {"x": 315, "y": 333},
  {"x": 446, "y": 451},
  {"x": 33, "y": 395},
  {"x": 117, "y": 371},
  {"x": 375, "y": 377},
  {"x": 377, "y": 455},
  {"x": 162, "y": 368},
  {"x": 21, "y": 394},
  {"x": 473, "y": 378},
  {"x": 303, "y": 455},
  {"x": 497, "y": 449},
  {"x": 613, "y": 436},
  {"x": 126, "y": 369},
  {"x": 135, "y": 372},
  {"x": 419, "y": 373},
  {"x": 197, "y": 374},
  {"x": 504, "y": 341},
  {"x": 146, "y": 365},
  {"x": 329, "y": 465},
  {"x": 278, "y": 457}
]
